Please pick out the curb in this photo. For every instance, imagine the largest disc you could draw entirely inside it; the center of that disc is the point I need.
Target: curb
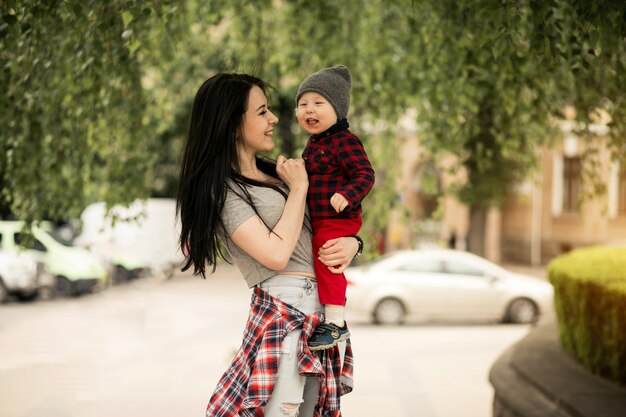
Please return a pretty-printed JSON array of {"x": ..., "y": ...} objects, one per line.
[{"x": 536, "y": 378}]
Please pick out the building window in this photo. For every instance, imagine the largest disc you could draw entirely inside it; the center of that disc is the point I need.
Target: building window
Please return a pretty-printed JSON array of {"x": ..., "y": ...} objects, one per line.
[
  {"x": 571, "y": 184},
  {"x": 622, "y": 192}
]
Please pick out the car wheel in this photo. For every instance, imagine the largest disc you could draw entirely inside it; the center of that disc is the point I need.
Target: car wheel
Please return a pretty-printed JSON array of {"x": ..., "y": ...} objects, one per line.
[
  {"x": 27, "y": 296},
  {"x": 389, "y": 311},
  {"x": 120, "y": 275},
  {"x": 63, "y": 287},
  {"x": 522, "y": 311}
]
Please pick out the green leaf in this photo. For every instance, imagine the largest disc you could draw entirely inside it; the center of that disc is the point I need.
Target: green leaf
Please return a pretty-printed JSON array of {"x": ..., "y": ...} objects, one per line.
[{"x": 498, "y": 47}]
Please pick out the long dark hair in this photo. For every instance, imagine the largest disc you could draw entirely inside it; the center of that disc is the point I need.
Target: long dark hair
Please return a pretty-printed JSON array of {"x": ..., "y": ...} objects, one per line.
[{"x": 209, "y": 161}]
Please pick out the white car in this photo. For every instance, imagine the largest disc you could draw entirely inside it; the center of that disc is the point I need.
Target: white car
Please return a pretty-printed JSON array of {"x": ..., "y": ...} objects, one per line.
[
  {"x": 143, "y": 236},
  {"x": 443, "y": 285}
]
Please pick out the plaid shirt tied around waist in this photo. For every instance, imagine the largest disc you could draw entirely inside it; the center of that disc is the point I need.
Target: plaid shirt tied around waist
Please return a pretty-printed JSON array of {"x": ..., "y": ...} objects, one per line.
[
  {"x": 248, "y": 384},
  {"x": 337, "y": 163}
]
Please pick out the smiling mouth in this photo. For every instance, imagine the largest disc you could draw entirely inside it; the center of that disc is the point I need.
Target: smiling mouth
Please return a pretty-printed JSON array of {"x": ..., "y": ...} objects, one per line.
[
  {"x": 269, "y": 133},
  {"x": 311, "y": 121}
]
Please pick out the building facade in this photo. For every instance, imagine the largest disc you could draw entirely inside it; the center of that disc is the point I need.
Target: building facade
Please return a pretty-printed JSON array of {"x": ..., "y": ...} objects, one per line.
[{"x": 551, "y": 213}]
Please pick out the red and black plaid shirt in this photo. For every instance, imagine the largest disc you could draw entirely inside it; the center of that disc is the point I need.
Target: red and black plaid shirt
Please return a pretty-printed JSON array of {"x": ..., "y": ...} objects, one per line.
[
  {"x": 247, "y": 386},
  {"x": 337, "y": 163}
]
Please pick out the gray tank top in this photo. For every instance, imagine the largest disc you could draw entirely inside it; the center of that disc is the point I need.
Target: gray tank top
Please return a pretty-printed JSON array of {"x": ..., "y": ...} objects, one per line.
[{"x": 269, "y": 203}]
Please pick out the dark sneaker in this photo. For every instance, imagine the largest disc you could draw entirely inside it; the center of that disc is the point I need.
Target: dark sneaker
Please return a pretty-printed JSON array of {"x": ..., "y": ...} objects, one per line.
[{"x": 328, "y": 335}]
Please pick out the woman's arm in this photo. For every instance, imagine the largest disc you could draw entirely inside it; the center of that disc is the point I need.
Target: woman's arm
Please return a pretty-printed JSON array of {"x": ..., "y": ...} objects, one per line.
[
  {"x": 274, "y": 248},
  {"x": 339, "y": 252}
]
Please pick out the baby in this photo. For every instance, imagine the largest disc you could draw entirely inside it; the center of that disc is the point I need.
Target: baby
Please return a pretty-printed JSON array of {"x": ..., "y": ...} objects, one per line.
[{"x": 340, "y": 176}]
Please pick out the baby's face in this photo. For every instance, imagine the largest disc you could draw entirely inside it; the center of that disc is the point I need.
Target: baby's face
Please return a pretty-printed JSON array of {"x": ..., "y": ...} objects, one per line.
[{"x": 315, "y": 114}]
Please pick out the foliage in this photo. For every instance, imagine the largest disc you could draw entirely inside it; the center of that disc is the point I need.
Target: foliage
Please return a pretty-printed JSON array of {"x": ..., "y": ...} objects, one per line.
[
  {"x": 590, "y": 294},
  {"x": 98, "y": 94},
  {"x": 489, "y": 78},
  {"x": 582, "y": 46},
  {"x": 500, "y": 73},
  {"x": 73, "y": 126}
]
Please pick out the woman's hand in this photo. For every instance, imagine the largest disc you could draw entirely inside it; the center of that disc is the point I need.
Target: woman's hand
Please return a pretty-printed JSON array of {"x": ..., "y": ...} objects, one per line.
[
  {"x": 337, "y": 254},
  {"x": 292, "y": 172}
]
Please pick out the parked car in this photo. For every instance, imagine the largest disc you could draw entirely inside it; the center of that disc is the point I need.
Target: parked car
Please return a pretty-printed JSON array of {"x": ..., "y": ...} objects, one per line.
[
  {"x": 134, "y": 240},
  {"x": 23, "y": 277},
  {"x": 76, "y": 270},
  {"x": 18, "y": 276},
  {"x": 441, "y": 284}
]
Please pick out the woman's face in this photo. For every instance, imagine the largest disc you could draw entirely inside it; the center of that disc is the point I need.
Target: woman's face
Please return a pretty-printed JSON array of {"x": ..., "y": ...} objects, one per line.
[{"x": 258, "y": 124}]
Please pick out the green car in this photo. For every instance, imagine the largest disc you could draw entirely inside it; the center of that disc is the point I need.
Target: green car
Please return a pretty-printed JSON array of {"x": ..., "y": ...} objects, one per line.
[{"x": 76, "y": 269}]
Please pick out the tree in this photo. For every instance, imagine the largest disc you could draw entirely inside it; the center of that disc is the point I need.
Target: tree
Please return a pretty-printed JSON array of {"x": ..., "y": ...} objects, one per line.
[
  {"x": 72, "y": 103},
  {"x": 489, "y": 78},
  {"x": 100, "y": 111},
  {"x": 499, "y": 75}
]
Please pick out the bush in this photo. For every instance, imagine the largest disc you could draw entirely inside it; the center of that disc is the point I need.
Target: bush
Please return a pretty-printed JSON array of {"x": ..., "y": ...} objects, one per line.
[{"x": 590, "y": 300}]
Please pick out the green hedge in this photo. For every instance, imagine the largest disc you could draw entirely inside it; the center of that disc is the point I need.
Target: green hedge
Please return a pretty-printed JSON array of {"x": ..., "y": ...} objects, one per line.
[{"x": 590, "y": 300}]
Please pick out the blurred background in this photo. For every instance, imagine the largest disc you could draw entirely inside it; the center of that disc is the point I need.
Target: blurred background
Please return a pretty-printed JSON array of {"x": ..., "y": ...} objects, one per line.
[{"x": 497, "y": 130}]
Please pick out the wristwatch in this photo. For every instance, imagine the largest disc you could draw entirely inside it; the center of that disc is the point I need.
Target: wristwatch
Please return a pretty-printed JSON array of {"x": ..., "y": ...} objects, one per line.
[{"x": 359, "y": 252}]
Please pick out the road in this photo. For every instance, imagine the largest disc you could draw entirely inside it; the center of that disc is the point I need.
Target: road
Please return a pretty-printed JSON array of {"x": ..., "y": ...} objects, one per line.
[{"x": 157, "y": 348}]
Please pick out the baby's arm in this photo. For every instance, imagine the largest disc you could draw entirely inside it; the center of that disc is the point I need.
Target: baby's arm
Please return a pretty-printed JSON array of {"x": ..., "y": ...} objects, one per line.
[{"x": 354, "y": 161}]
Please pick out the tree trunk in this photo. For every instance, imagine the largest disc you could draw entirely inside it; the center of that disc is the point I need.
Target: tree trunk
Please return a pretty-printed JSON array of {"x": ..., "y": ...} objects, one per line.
[{"x": 476, "y": 232}]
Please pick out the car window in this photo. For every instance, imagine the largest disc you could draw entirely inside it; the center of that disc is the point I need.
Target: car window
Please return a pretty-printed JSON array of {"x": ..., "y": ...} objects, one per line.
[
  {"x": 459, "y": 268},
  {"x": 28, "y": 242},
  {"x": 423, "y": 265}
]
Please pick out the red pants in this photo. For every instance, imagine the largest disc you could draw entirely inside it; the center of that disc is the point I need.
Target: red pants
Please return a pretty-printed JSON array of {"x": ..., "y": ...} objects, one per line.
[{"x": 331, "y": 287}]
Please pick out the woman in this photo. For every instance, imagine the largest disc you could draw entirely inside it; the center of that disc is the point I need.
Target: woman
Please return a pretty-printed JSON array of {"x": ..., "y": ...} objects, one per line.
[{"x": 229, "y": 199}]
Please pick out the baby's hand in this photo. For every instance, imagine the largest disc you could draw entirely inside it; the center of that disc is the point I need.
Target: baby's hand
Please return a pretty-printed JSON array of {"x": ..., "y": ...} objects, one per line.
[{"x": 338, "y": 202}]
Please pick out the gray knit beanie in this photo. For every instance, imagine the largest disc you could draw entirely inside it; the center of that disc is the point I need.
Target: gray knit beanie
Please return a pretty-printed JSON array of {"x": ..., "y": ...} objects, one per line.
[{"x": 334, "y": 84}]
